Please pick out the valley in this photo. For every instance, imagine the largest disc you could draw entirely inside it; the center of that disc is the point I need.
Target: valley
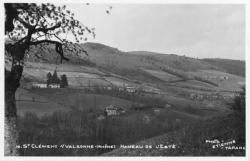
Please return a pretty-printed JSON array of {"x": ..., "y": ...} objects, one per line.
[{"x": 159, "y": 94}]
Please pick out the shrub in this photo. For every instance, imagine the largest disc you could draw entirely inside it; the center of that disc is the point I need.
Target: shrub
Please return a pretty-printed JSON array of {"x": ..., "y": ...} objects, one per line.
[{"x": 239, "y": 103}]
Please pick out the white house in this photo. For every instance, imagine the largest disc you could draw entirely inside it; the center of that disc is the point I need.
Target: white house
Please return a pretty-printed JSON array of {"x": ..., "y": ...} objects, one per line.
[
  {"x": 54, "y": 85},
  {"x": 101, "y": 117},
  {"x": 199, "y": 96},
  {"x": 39, "y": 85},
  {"x": 146, "y": 119},
  {"x": 157, "y": 110},
  {"x": 178, "y": 120},
  {"x": 113, "y": 110},
  {"x": 121, "y": 89},
  {"x": 167, "y": 106},
  {"x": 192, "y": 95},
  {"x": 109, "y": 88},
  {"x": 130, "y": 89},
  {"x": 110, "y": 110},
  {"x": 223, "y": 77}
]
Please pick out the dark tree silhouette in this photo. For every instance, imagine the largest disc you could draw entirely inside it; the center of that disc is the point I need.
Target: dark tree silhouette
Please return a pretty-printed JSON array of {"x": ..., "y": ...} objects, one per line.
[
  {"x": 239, "y": 103},
  {"x": 55, "y": 78},
  {"x": 64, "y": 81},
  {"x": 49, "y": 78},
  {"x": 38, "y": 25}
]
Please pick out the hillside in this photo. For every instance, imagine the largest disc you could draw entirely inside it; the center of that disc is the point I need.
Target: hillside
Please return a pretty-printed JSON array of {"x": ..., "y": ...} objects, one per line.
[
  {"x": 191, "y": 140},
  {"x": 106, "y": 65},
  {"x": 175, "y": 61},
  {"x": 173, "y": 96},
  {"x": 47, "y": 101},
  {"x": 236, "y": 67},
  {"x": 27, "y": 101},
  {"x": 103, "y": 56},
  {"x": 113, "y": 59}
]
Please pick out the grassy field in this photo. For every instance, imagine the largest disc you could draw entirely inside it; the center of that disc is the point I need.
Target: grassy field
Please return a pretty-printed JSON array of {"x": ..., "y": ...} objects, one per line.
[
  {"x": 77, "y": 98},
  {"x": 46, "y": 101},
  {"x": 77, "y": 75},
  {"x": 162, "y": 75},
  {"x": 71, "y": 116},
  {"x": 79, "y": 127},
  {"x": 156, "y": 67},
  {"x": 150, "y": 127},
  {"x": 195, "y": 108},
  {"x": 112, "y": 68},
  {"x": 233, "y": 82},
  {"x": 190, "y": 140},
  {"x": 193, "y": 83},
  {"x": 235, "y": 67},
  {"x": 27, "y": 101}
]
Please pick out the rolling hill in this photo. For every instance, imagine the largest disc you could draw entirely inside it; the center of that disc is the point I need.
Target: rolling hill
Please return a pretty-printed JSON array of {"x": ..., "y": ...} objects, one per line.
[
  {"x": 106, "y": 65},
  {"x": 173, "y": 94},
  {"x": 236, "y": 67},
  {"x": 165, "y": 74}
]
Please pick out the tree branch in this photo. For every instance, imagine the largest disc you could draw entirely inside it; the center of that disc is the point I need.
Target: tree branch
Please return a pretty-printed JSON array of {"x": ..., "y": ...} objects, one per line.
[
  {"x": 25, "y": 24},
  {"x": 58, "y": 47},
  {"x": 32, "y": 28},
  {"x": 45, "y": 30},
  {"x": 44, "y": 41}
]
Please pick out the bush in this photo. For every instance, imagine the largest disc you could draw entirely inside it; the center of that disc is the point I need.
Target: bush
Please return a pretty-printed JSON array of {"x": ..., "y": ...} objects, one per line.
[
  {"x": 205, "y": 81},
  {"x": 239, "y": 103},
  {"x": 64, "y": 81},
  {"x": 81, "y": 128}
]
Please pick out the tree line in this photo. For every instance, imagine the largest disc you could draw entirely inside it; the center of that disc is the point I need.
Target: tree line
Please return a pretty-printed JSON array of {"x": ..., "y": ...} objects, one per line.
[{"x": 54, "y": 79}]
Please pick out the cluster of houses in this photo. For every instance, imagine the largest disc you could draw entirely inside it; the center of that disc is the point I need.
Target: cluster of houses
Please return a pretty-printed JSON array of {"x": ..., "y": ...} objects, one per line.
[
  {"x": 45, "y": 85},
  {"x": 129, "y": 89},
  {"x": 197, "y": 96},
  {"x": 112, "y": 110}
]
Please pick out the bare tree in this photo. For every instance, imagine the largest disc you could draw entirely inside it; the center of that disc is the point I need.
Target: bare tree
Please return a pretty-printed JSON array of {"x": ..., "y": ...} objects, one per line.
[{"x": 38, "y": 25}]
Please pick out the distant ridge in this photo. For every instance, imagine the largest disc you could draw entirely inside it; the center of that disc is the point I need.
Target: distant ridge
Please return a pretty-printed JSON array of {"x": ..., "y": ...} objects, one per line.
[{"x": 130, "y": 63}]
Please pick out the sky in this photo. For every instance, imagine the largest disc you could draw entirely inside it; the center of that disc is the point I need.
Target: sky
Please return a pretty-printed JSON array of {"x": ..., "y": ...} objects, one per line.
[{"x": 194, "y": 30}]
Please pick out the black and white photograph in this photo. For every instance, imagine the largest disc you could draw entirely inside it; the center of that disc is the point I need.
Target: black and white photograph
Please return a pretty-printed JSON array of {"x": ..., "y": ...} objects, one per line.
[{"x": 124, "y": 79}]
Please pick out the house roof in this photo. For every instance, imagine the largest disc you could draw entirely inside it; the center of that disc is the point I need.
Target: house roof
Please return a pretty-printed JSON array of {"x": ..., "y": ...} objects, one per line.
[{"x": 114, "y": 107}]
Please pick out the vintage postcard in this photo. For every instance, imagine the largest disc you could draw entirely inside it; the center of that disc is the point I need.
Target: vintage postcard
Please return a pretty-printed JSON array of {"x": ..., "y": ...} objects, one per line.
[{"x": 107, "y": 80}]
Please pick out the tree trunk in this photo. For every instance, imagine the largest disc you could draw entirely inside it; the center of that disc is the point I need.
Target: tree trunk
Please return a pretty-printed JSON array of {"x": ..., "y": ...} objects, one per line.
[
  {"x": 10, "y": 137},
  {"x": 12, "y": 79}
]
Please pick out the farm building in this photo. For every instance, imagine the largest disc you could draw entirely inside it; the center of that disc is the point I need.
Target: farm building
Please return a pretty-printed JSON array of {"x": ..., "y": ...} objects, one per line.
[
  {"x": 39, "y": 85},
  {"x": 44, "y": 85},
  {"x": 146, "y": 119},
  {"x": 113, "y": 110},
  {"x": 54, "y": 85},
  {"x": 167, "y": 106},
  {"x": 101, "y": 117},
  {"x": 109, "y": 88},
  {"x": 223, "y": 78},
  {"x": 130, "y": 89},
  {"x": 156, "y": 110},
  {"x": 121, "y": 89},
  {"x": 27, "y": 85},
  {"x": 199, "y": 96},
  {"x": 192, "y": 96}
]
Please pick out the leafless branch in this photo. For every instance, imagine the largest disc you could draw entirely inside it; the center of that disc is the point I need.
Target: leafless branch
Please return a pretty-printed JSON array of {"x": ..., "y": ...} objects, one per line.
[
  {"x": 45, "y": 30},
  {"x": 25, "y": 24},
  {"x": 58, "y": 47}
]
